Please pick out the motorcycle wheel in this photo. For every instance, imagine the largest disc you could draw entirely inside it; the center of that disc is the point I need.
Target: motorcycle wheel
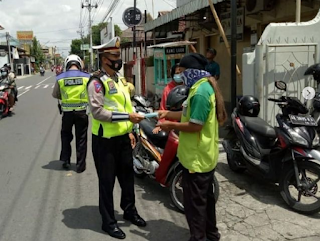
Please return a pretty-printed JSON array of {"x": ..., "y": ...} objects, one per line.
[
  {"x": 233, "y": 158},
  {"x": 176, "y": 190},
  {"x": 288, "y": 186},
  {"x": 2, "y": 108}
]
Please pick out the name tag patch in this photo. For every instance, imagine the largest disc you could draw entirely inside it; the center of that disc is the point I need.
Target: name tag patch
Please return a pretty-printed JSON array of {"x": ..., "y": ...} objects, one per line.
[
  {"x": 72, "y": 82},
  {"x": 112, "y": 87}
]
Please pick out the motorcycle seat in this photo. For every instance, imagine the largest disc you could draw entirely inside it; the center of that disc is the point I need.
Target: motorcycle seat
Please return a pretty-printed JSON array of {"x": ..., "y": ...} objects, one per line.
[
  {"x": 159, "y": 139},
  {"x": 259, "y": 126}
]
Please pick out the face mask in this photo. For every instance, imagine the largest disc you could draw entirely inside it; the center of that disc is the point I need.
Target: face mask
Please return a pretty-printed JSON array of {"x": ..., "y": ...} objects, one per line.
[
  {"x": 177, "y": 78},
  {"x": 116, "y": 65}
]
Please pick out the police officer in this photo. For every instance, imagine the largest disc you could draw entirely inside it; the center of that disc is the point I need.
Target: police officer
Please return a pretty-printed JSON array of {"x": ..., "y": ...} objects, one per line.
[
  {"x": 112, "y": 140},
  {"x": 70, "y": 88}
]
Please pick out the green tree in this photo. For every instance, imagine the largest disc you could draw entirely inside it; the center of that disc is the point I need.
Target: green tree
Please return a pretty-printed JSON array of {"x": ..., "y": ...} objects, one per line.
[
  {"x": 37, "y": 52},
  {"x": 76, "y": 47}
]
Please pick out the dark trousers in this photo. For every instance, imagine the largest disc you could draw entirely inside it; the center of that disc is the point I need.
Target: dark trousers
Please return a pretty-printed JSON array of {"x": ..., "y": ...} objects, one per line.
[
  {"x": 199, "y": 206},
  {"x": 113, "y": 158},
  {"x": 80, "y": 120}
]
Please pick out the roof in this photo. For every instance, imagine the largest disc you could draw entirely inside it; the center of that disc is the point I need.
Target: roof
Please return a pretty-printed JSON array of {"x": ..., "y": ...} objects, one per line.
[
  {"x": 161, "y": 13},
  {"x": 177, "y": 13},
  {"x": 172, "y": 44}
]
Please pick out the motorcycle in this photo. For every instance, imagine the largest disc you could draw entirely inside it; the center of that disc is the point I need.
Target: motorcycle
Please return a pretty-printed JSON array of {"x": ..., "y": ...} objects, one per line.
[
  {"x": 155, "y": 155},
  {"x": 284, "y": 154},
  {"x": 4, "y": 100},
  {"x": 42, "y": 71},
  {"x": 138, "y": 101}
]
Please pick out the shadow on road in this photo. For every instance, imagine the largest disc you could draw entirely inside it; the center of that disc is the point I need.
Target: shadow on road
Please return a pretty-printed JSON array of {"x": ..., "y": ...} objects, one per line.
[
  {"x": 57, "y": 166},
  {"x": 256, "y": 187},
  {"x": 159, "y": 230},
  {"x": 155, "y": 192}
]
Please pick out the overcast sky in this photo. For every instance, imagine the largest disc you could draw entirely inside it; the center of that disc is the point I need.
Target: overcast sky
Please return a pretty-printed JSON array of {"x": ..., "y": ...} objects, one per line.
[{"x": 56, "y": 22}]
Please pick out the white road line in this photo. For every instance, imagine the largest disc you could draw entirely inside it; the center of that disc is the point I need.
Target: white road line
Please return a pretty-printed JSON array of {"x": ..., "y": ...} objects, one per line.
[
  {"x": 52, "y": 86},
  {"x": 46, "y": 86},
  {"x": 23, "y": 93},
  {"x": 37, "y": 86},
  {"x": 28, "y": 87},
  {"x": 20, "y": 87},
  {"x": 44, "y": 80}
]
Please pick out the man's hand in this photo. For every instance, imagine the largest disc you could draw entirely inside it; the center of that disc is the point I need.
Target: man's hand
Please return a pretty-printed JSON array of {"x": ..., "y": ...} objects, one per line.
[
  {"x": 166, "y": 126},
  {"x": 133, "y": 140},
  {"x": 162, "y": 114},
  {"x": 135, "y": 118},
  {"x": 156, "y": 130}
]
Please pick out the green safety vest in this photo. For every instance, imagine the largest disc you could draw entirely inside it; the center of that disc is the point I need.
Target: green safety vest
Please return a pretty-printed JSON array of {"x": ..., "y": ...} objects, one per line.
[
  {"x": 73, "y": 93},
  {"x": 198, "y": 152},
  {"x": 117, "y": 98}
]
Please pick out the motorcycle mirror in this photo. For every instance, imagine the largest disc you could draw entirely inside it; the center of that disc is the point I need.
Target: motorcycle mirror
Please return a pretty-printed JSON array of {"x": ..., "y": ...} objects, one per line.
[{"x": 281, "y": 85}]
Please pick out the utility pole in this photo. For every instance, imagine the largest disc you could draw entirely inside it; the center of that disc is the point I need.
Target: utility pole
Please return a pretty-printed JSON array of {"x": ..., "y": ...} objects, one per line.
[
  {"x": 9, "y": 49},
  {"x": 89, "y": 6},
  {"x": 134, "y": 28},
  {"x": 233, "y": 54}
]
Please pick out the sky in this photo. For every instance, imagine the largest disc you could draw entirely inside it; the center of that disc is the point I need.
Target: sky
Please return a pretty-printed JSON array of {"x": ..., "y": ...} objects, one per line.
[{"x": 56, "y": 22}]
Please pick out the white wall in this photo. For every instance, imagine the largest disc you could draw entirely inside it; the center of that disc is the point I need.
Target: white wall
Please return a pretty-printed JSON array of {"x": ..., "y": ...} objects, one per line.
[{"x": 284, "y": 52}]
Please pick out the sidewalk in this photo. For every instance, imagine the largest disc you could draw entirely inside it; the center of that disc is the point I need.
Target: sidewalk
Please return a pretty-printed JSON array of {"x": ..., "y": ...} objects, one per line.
[{"x": 24, "y": 76}]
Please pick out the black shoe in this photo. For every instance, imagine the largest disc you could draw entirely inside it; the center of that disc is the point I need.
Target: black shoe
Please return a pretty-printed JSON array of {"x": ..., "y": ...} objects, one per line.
[
  {"x": 115, "y": 232},
  {"x": 81, "y": 169},
  {"x": 135, "y": 219},
  {"x": 66, "y": 165}
]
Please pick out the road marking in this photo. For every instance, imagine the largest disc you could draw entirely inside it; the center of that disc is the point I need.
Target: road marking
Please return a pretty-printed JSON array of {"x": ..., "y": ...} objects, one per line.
[
  {"x": 46, "y": 86},
  {"x": 52, "y": 86},
  {"x": 28, "y": 87},
  {"x": 20, "y": 87},
  {"x": 37, "y": 86},
  {"x": 44, "y": 80},
  {"x": 23, "y": 93}
]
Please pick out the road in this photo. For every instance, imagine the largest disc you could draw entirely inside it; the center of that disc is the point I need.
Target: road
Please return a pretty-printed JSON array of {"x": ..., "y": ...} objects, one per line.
[{"x": 41, "y": 202}]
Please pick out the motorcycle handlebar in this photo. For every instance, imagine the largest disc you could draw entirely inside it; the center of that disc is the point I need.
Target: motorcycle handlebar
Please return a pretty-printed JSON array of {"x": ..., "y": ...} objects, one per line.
[{"x": 275, "y": 100}]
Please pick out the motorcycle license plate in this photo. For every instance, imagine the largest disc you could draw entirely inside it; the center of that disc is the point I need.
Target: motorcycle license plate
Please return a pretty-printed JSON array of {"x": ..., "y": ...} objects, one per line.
[{"x": 303, "y": 120}]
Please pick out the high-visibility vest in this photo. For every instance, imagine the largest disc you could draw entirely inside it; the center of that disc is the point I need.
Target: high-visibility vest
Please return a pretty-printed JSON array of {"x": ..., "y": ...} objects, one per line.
[
  {"x": 72, "y": 85},
  {"x": 117, "y": 99}
]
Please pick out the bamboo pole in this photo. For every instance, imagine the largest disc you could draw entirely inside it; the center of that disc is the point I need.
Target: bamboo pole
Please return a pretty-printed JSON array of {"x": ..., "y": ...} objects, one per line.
[{"x": 222, "y": 33}]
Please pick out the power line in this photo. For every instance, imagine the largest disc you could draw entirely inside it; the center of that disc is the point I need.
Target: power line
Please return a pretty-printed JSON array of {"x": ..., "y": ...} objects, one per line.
[{"x": 59, "y": 30}]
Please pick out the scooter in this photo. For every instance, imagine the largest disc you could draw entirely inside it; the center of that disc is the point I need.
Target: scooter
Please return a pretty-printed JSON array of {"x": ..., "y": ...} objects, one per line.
[
  {"x": 4, "y": 100},
  {"x": 155, "y": 155},
  {"x": 138, "y": 101},
  {"x": 42, "y": 71},
  {"x": 284, "y": 154}
]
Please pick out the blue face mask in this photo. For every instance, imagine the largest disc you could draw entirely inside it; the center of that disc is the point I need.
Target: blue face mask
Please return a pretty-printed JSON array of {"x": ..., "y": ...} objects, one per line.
[{"x": 177, "y": 78}]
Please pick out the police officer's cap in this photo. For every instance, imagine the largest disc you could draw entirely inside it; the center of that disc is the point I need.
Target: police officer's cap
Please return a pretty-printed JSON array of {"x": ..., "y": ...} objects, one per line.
[{"x": 112, "y": 47}]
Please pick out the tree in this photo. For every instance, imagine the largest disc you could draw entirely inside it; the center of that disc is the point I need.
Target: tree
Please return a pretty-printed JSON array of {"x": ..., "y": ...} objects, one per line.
[
  {"x": 96, "y": 29},
  {"x": 76, "y": 47},
  {"x": 37, "y": 52}
]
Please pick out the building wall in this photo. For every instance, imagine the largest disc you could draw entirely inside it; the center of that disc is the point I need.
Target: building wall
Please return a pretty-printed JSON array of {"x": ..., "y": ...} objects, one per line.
[{"x": 283, "y": 12}]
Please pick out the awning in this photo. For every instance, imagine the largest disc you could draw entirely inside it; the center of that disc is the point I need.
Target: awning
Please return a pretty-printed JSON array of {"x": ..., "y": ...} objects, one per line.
[
  {"x": 172, "y": 44},
  {"x": 190, "y": 7}
]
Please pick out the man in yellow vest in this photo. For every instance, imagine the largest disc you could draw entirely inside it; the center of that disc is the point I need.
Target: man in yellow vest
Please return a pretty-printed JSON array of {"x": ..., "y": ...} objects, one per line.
[
  {"x": 70, "y": 88},
  {"x": 112, "y": 140}
]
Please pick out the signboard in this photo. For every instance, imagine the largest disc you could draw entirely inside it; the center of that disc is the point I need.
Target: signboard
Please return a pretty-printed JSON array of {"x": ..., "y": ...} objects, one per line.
[
  {"x": 107, "y": 33},
  {"x": 176, "y": 50},
  {"x": 84, "y": 46},
  {"x": 25, "y": 35},
  {"x": 132, "y": 18},
  {"x": 226, "y": 24}
]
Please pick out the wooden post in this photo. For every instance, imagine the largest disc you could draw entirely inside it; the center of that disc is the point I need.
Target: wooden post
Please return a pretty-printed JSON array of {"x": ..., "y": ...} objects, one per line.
[{"x": 215, "y": 15}]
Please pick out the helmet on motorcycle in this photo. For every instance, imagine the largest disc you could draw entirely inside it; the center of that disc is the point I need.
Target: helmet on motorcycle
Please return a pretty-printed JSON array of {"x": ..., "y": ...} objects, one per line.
[
  {"x": 315, "y": 71},
  {"x": 176, "y": 97},
  {"x": 4, "y": 72},
  {"x": 73, "y": 60},
  {"x": 249, "y": 106}
]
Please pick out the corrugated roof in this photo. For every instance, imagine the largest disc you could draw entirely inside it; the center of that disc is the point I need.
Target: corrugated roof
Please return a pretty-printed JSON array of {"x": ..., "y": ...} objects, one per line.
[{"x": 178, "y": 13}]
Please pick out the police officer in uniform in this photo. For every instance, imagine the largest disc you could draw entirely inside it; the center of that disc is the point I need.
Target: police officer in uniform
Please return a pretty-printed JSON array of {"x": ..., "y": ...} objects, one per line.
[
  {"x": 112, "y": 140},
  {"x": 70, "y": 88}
]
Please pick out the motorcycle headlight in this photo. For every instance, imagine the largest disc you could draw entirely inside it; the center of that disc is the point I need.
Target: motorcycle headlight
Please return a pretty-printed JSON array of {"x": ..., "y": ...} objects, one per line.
[
  {"x": 316, "y": 140},
  {"x": 297, "y": 138},
  {"x": 1, "y": 87}
]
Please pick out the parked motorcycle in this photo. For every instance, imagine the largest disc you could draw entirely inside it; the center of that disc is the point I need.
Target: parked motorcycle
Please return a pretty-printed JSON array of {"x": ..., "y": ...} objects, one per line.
[
  {"x": 42, "y": 71},
  {"x": 283, "y": 154},
  {"x": 4, "y": 100},
  {"x": 140, "y": 101}
]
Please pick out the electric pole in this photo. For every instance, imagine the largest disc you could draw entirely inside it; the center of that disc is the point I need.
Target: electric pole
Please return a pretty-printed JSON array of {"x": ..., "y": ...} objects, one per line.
[
  {"x": 9, "y": 49},
  {"x": 89, "y": 6}
]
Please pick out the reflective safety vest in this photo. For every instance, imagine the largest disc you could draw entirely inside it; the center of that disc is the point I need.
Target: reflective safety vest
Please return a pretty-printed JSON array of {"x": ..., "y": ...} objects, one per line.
[
  {"x": 117, "y": 99},
  {"x": 73, "y": 90}
]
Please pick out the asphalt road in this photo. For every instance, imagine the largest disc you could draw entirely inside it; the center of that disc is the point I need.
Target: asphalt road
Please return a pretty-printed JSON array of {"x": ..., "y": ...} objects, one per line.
[{"x": 41, "y": 202}]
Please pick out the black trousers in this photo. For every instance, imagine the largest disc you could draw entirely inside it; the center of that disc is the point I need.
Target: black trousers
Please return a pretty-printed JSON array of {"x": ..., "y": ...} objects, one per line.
[
  {"x": 80, "y": 120},
  {"x": 199, "y": 206},
  {"x": 113, "y": 158}
]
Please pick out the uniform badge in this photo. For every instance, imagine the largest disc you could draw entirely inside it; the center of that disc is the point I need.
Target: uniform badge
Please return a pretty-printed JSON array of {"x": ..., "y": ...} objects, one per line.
[
  {"x": 112, "y": 87},
  {"x": 97, "y": 86}
]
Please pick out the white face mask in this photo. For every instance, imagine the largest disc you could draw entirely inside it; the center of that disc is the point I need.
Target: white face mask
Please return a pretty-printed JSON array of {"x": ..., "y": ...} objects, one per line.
[{"x": 177, "y": 78}]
